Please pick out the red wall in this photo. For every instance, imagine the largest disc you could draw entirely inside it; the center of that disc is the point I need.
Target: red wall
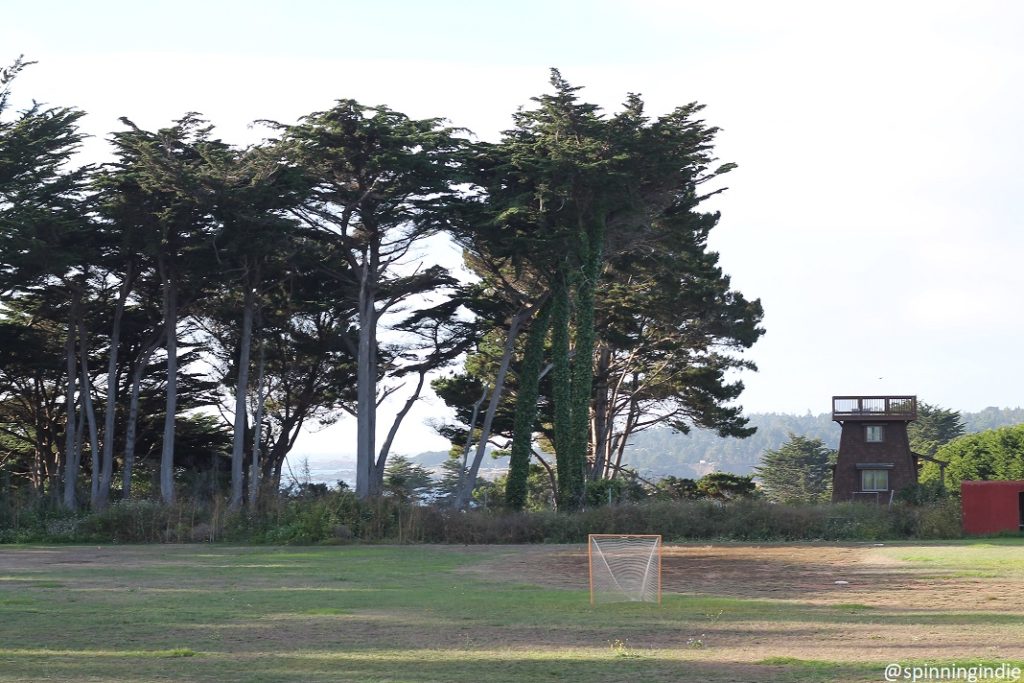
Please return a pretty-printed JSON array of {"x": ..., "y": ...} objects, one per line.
[{"x": 991, "y": 506}]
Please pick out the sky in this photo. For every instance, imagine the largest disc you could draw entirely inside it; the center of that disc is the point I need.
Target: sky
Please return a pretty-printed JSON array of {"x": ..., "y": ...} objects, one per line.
[{"x": 877, "y": 206}]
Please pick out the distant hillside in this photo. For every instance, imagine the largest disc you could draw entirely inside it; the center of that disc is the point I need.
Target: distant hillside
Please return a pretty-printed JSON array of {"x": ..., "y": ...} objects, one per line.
[
  {"x": 430, "y": 458},
  {"x": 990, "y": 418},
  {"x": 660, "y": 452}
]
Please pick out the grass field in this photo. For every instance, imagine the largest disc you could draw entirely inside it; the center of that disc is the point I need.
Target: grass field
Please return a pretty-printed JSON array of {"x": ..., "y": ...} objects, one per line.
[{"x": 498, "y": 613}]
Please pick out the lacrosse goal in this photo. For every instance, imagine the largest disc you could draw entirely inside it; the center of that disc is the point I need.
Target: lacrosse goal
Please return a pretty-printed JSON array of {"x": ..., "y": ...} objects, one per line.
[{"x": 624, "y": 568}]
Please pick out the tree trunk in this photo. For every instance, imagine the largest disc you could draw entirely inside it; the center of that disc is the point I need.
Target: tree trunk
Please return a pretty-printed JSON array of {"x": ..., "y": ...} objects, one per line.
[
  {"x": 171, "y": 331},
  {"x": 70, "y": 455},
  {"x": 257, "y": 429},
  {"x": 561, "y": 392},
  {"x": 623, "y": 438},
  {"x": 278, "y": 467},
  {"x": 79, "y": 431},
  {"x": 107, "y": 463},
  {"x": 601, "y": 420},
  {"x": 492, "y": 407},
  {"x": 382, "y": 458},
  {"x": 583, "y": 359},
  {"x": 526, "y": 411},
  {"x": 90, "y": 413},
  {"x": 133, "y": 416},
  {"x": 366, "y": 384},
  {"x": 241, "y": 396},
  {"x": 469, "y": 443}
]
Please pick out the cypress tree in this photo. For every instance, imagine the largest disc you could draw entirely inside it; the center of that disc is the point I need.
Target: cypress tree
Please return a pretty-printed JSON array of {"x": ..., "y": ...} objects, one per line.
[{"x": 526, "y": 410}]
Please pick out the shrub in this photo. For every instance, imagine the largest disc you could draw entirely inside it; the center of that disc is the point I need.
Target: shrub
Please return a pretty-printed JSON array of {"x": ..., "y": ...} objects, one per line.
[
  {"x": 923, "y": 492},
  {"x": 129, "y": 521},
  {"x": 337, "y": 516}
]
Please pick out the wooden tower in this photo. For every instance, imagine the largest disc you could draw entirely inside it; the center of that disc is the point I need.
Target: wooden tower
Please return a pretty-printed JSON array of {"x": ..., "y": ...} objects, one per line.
[{"x": 875, "y": 462}]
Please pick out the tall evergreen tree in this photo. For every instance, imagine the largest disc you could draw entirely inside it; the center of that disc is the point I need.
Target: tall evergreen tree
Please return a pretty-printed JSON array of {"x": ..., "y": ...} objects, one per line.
[
  {"x": 45, "y": 233},
  {"x": 252, "y": 192},
  {"x": 381, "y": 183},
  {"x": 602, "y": 216},
  {"x": 162, "y": 173},
  {"x": 799, "y": 471}
]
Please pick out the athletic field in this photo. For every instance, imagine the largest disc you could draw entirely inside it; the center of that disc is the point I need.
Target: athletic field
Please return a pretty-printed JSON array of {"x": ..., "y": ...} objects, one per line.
[{"x": 504, "y": 613}]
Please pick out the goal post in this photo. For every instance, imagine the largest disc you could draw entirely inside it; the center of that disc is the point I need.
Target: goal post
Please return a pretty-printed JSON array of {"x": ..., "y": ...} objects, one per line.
[{"x": 624, "y": 567}]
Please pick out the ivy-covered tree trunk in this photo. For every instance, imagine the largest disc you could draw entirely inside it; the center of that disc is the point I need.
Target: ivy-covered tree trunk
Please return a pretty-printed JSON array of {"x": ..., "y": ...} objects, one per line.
[
  {"x": 590, "y": 243},
  {"x": 526, "y": 411},
  {"x": 561, "y": 391},
  {"x": 583, "y": 364}
]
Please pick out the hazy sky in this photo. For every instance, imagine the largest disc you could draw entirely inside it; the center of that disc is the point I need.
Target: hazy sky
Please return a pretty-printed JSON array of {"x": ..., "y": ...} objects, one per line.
[{"x": 877, "y": 206}]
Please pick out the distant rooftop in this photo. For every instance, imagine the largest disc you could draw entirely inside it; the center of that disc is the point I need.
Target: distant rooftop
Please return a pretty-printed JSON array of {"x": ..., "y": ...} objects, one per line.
[{"x": 902, "y": 408}]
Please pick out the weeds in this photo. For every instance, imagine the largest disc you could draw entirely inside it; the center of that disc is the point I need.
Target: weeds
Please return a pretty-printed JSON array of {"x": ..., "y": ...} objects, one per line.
[{"x": 622, "y": 650}]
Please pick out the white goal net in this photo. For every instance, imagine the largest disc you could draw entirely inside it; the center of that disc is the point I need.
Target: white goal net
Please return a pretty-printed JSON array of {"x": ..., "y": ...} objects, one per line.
[{"x": 625, "y": 567}]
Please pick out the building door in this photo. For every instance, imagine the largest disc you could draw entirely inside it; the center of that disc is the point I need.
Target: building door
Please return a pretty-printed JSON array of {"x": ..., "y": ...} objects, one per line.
[{"x": 1020, "y": 497}]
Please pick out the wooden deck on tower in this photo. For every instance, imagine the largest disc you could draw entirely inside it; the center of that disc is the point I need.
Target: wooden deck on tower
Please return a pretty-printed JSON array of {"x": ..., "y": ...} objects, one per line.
[{"x": 874, "y": 408}]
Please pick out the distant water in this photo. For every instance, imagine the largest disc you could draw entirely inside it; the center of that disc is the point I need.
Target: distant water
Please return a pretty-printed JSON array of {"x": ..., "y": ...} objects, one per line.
[
  {"x": 331, "y": 471},
  {"x": 321, "y": 470}
]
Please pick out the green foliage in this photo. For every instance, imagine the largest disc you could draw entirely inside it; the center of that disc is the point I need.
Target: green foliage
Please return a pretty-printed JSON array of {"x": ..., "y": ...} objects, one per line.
[
  {"x": 561, "y": 398},
  {"x": 800, "y": 471},
  {"x": 601, "y": 215},
  {"x": 726, "y": 486},
  {"x": 933, "y": 428},
  {"x": 405, "y": 480},
  {"x": 720, "y": 486},
  {"x": 676, "y": 488},
  {"x": 992, "y": 454},
  {"x": 921, "y": 493},
  {"x": 540, "y": 490},
  {"x": 526, "y": 411},
  {"x": 337, "y": 516},
  {"x": 490, "y": 494},
  {"x": 614, "y": 491},
  {"x": 142, "y": 521}
]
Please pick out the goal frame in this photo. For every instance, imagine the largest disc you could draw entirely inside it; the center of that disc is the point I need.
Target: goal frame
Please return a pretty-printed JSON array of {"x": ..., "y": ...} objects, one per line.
[{"x": 590, "y": 557}]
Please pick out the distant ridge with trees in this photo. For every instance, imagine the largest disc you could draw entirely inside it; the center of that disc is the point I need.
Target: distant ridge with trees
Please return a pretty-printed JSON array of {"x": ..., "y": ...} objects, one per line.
[{"x": 662, "y": 452}]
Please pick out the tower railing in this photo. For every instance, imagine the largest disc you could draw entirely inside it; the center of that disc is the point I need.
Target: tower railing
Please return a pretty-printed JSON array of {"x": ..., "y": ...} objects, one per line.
[{"x": 874, "y": 407}]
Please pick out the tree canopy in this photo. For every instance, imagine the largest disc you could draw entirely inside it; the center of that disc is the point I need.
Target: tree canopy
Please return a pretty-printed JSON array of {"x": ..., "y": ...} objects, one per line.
[
  {"x": 991, "y": 454},
  {"x": 800, "y": 471},
  {"x": 933, "y": 428},
  {"x": 178, "y": 314}
]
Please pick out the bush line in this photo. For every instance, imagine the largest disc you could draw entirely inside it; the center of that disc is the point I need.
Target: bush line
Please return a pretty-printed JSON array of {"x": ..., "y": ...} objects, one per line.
[{"x": 338, "y": 517}]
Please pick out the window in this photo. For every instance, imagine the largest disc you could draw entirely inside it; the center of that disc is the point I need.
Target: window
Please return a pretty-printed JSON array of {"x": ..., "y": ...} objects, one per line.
[
  {"x": 874, "y": 433},
  {"x": 874, "y": 480}
]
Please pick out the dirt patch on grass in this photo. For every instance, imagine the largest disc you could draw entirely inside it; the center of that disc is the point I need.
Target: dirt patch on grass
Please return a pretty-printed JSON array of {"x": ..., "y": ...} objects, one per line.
[
  {"x": 806, "y": 572},
  {"x": 887, "y": 609}
]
